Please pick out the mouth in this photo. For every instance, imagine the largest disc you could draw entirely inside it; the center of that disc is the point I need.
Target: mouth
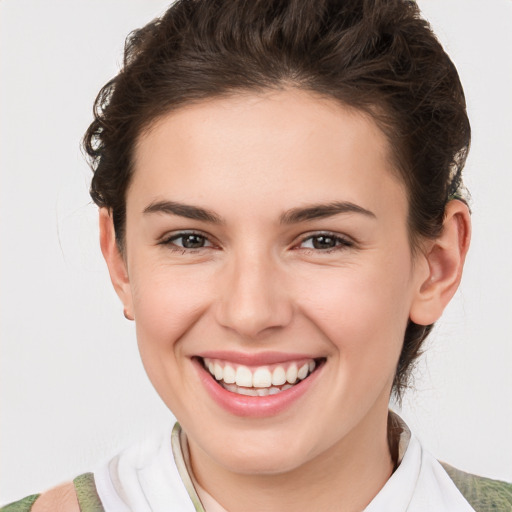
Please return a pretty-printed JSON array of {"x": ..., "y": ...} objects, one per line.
[{"x": 260, "y": 381}]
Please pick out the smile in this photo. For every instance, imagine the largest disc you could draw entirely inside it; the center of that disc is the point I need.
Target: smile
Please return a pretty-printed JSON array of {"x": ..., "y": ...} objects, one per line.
[
  {"x": 259, "y": 380},
  {"x": 259, "y": 385}
]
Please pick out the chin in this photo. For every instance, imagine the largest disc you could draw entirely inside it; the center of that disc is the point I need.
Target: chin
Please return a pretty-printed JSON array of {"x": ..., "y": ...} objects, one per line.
[
  {"x": 258, "y": 464},
  {"x": 265, "y": 454}
]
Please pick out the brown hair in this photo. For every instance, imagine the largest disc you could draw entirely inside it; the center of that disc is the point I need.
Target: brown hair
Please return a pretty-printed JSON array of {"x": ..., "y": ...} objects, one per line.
[{"x": 378, "y": 56}]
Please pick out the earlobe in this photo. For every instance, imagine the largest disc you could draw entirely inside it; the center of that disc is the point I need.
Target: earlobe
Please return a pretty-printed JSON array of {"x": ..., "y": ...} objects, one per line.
[
  {"x": 445, "y": 260},
  {"x": 115, "y": 262}
]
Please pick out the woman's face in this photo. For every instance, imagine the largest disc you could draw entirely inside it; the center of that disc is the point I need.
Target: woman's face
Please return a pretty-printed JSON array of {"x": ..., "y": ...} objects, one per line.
[{"x": 266, "y": 236}]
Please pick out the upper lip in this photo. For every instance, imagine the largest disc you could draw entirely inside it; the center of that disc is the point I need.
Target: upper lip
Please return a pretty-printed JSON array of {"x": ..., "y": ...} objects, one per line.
[{"x": 255, "y": 359}]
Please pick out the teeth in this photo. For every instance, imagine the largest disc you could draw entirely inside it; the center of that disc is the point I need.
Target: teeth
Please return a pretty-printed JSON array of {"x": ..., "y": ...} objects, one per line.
[
  {"x": 301, "y": 374},
  {"x": 260, "y": 381},
  {"x": 261, "y": 378},
  {"x": 247, "y": 391},
  {"x": 278, "y": 376},
  {"x": 291, "y": 373},
  {"x": 255, "y": 391},
  {"x": 231, "y": 387},
  {"x": 218, "y": 373},
  {"x": 229, "y": 375},
  {"x": 243, "y": 377}
]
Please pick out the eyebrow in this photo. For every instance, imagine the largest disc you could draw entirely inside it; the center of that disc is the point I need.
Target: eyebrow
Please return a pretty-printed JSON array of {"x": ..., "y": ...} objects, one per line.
[
  {"x": 320, "y": 211},
  {"x": 293, "y": 216},
  {"x": 184, "y": 210}
]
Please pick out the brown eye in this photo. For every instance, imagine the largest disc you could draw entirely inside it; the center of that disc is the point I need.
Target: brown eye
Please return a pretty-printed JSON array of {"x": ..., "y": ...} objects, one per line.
[
  {"x": 188, "y": 241},
  {"x": 325, "y": 241},
  {"x": 193, "y": 241}
]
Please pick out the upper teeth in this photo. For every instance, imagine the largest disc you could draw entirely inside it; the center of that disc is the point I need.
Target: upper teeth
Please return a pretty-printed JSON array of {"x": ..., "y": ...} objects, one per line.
[{"x": 260, "y": 376}]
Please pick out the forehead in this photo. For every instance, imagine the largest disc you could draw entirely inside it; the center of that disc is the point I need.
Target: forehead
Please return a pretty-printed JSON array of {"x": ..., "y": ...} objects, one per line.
[{"x": 284, "y": 146}]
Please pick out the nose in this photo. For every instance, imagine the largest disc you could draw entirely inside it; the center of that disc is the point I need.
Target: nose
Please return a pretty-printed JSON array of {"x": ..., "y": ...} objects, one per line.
[{"x": 253, "y": 300}]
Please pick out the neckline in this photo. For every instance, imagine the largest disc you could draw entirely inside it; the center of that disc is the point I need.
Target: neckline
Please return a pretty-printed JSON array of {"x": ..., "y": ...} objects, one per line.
[{"x": 399, "y": 437}]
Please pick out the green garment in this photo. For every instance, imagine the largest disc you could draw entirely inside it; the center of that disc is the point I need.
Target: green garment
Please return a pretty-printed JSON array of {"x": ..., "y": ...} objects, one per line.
[
  {"x": 23, "y": 505},
  {"x": 483, "y": 494},
  {"x": 85, "y": 489}
]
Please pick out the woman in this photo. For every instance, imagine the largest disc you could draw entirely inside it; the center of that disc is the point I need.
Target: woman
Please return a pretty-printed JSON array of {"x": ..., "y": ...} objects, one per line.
[{"x": 280, "y": 211}]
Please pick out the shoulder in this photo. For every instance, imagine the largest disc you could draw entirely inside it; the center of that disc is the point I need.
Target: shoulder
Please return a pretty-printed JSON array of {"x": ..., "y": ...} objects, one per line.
[
  {"x": 59, "y": 499},
  {"x": 77, "y": 496},
  {"x": 483, "y": 494}
]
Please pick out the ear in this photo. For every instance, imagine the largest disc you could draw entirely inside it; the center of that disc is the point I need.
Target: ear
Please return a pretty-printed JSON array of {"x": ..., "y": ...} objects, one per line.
[
  {"x": 445, "y": 258},
  {"x": 115, "y": 262}
]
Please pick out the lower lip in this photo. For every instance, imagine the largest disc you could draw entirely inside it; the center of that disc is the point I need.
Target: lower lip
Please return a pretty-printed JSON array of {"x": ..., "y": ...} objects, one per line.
[{"x": 254, "y": 406}]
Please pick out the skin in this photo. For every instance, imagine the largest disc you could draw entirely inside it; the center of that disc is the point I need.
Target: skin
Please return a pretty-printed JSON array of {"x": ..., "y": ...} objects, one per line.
[
  {"x": 259, "y": 285},
  {"x": 59, "y": 499}
]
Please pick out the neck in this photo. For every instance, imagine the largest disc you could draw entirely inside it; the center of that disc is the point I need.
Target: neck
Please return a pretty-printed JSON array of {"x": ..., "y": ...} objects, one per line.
[{"x": 344, "y": 478}]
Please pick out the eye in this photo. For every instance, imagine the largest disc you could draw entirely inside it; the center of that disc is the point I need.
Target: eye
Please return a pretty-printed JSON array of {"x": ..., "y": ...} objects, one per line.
[
  {"x": 187, "y": 240},
  {"x": 325, "y": 242}
]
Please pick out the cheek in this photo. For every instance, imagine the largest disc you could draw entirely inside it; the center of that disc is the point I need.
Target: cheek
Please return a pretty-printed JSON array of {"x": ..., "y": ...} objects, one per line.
[
  {"x": 168, "y": 301},
  {"x": 363, "y": 314}
]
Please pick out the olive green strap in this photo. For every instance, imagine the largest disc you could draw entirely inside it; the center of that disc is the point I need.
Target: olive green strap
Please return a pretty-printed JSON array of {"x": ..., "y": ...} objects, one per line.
[
  {"x": 86, "y": 493},
  {"x": 483, "y": 494},
  {"x": 23, "y": 505},
  {"x": 88, "y": 498}
]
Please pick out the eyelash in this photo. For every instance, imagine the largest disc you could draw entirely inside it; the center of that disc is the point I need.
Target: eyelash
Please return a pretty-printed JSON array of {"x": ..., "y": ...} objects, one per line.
[
  {"x": 169, "y": 241},
  {"x": 340, "y": 242}
]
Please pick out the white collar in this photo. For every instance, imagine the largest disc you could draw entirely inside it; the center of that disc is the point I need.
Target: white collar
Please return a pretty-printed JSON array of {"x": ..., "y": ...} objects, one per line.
[
  {"x": 419, "y": 484},
  {"x": 152, "y": 476}
]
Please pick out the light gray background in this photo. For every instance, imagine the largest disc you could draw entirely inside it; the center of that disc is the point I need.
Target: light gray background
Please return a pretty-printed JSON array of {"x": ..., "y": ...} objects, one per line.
[{"x": 72, "y": 388}]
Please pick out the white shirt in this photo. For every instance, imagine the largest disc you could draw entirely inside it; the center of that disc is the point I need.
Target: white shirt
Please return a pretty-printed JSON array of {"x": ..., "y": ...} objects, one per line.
[{"x": 152, "y": 476}]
